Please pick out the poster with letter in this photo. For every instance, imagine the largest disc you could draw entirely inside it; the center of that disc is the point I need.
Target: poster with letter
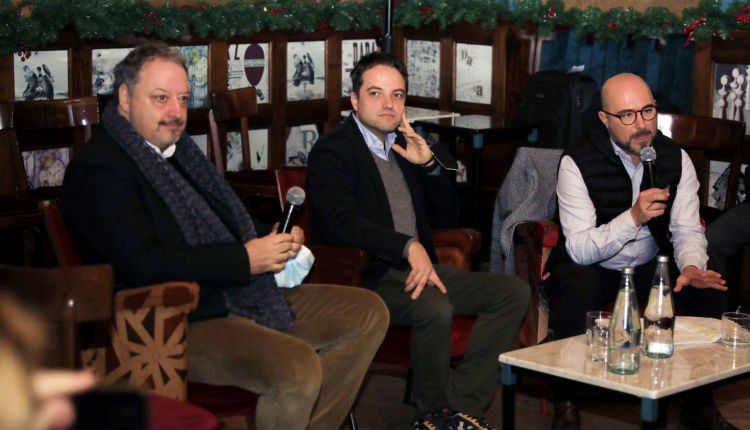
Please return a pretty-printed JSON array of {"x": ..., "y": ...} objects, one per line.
[
  {"x": 248, "y": 67},
  {"x": 300, "y": 139},
  {"x": 351, "y": 51},
  {"x": 258, "y": 150},
  {"x": 473, "y": 73}
]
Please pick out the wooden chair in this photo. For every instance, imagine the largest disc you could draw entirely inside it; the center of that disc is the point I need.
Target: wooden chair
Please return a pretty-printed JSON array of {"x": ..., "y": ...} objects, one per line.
[
  {"x": 344, "y": 265},
  {"x": 70, "y": 296},
  {"x": 231, "y": 111},
  {"x": 52, "y": 124},
  {"x": 157, "y": 314}
]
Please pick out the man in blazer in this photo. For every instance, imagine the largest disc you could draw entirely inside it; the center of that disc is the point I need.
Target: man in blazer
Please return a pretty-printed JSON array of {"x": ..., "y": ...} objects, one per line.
[
  {"x": 142, "y": 197},
  {"x": 373, "y": 183}
]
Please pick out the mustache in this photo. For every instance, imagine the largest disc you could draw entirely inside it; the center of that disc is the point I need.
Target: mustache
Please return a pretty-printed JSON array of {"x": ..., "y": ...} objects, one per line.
[
  {"x": 640, "y": 133},
  {"x": 173, "y": 121}
]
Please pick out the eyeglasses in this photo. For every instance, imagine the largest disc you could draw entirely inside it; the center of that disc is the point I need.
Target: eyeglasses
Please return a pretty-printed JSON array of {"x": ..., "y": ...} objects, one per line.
[{"x": 628, "y": 117}]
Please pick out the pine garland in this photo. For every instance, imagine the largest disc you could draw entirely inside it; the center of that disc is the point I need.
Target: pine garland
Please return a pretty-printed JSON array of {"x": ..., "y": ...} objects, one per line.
[{"x": 33, "y": 24}]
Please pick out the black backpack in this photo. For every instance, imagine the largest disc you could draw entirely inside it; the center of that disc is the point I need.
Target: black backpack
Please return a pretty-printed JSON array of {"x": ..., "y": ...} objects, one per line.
[{"x": 560, "y": 106}]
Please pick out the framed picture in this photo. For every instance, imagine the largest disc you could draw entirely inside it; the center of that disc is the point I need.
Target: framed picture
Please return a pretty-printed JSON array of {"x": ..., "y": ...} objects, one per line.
[
  {"x": 248, "y": 67},
  {"x": 201, "y": 140},
  {"x": 423, "y": 66},
  {"x": 718, "y": 181},
  {"x": 299, "y": 140},
  {"x": 45, "y": 167},
  {"x": 731, "y": 98},
  {"x": 43, "y": 76},
  {"x": 196, "y": 58},
  {"x": 258, "y": 150},
  {"x": 351, "y": 51},
  {"x": 103, "y": 62},
  {"x": 473, "y": 73},
  {"x": 305, "y": 70}
]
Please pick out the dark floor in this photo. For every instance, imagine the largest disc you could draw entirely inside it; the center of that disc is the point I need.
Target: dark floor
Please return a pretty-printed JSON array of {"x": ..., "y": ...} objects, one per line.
[{"x": 381, "y": 406}]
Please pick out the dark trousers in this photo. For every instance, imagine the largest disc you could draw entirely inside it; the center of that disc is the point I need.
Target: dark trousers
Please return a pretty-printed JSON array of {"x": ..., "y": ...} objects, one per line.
[
  {"x": 578, "y": 289},
  {"x": 727, "y": 235},
  {"x": 498, "y": 300}
]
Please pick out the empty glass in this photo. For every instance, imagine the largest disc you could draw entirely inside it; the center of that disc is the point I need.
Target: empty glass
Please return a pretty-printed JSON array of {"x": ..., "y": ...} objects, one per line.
[
  {"x": 735, "y": 329},
  {"x": 597, "y": 332}
]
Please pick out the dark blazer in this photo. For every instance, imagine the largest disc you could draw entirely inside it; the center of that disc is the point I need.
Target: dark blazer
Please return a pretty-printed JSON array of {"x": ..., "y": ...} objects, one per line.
[
  {"x": 349, "y": 205},
  {"x": 115, "y": 216}
]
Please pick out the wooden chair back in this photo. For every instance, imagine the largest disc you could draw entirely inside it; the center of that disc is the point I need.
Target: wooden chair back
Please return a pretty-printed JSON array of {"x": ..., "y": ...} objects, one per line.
[
  {"x": 230, "y": 111},
  {"x": 66, "y": 296},
  {"x": 65, "y": 250},
  {"x": 12, "y": 178},
  {"x": 706, "y": 139},
  {"x": 53, "y": 124}
]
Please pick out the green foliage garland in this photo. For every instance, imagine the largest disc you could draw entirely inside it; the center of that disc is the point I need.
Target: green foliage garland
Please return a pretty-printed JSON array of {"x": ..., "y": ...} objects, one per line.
[{"x": 33, "y": 24}]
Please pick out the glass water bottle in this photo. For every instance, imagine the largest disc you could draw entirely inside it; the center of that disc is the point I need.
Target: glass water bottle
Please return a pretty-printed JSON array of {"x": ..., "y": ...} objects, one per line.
[
  {"x": 623, "y": 345},
  {"x": 658, "y": 319}
]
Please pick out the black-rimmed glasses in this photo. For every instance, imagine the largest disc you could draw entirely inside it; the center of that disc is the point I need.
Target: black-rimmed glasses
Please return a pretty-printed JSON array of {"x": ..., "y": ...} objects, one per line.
[{"x": 628, "y": 117}]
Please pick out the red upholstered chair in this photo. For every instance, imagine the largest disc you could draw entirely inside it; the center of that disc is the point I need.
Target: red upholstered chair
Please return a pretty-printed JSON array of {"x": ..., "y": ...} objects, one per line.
[
  {"x": 159, "y": 315},
  {"x": 70, "y": 295},
  {"x": 344, "y": 265}
]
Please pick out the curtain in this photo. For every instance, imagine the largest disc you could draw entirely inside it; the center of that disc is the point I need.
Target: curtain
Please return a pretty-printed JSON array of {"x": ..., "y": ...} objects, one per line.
[{"x": 667, "y": 67}]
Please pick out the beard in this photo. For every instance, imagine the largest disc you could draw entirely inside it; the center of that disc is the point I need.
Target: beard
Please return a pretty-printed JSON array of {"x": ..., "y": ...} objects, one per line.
[{"x": 626, "y": 146}]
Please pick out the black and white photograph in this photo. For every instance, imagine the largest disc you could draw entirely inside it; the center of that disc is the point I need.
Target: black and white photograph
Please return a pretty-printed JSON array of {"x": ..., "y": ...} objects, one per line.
[
  {"x": 473, "y": 73},
  {"x": 305, "y": 70},
  {"x": 45, "y": 167},
  {"x": 42, "y": 76},
  {"x": 731, "y": 98},
  {"x": 258, "y": 150},
  {"x": 351, "y": 51},
  {"x": 423, "y": 65},
  {"x": 719, "y": 180},
  {"x": 196, "y": 59},
  {"x": 299, "y": 140},
  {"x": 103, "y": 62},
  {"x": 201, "y": 140},
  {"x": 248, "y": 67}
]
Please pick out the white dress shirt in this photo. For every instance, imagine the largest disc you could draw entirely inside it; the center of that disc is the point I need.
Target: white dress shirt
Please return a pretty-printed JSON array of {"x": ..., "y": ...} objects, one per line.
[{"x": 620, "y": 242}]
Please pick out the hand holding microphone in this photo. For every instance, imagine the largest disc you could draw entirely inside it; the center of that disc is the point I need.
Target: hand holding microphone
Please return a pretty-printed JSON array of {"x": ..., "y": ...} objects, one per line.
[
  {"x": 651, "y": 203},
  {"x": 295, "y": 196}
]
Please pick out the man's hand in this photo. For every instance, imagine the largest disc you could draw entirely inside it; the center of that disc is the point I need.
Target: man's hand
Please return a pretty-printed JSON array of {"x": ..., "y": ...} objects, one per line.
[
  {"x": 422, "y": 273},
  {"x": 697, "y": 278},
  {"x": 417, "y": 151},
  {"x": 269, "y": 253},
  {"x": 650, "y": 204},
  {"x": 52, "y": 390}
]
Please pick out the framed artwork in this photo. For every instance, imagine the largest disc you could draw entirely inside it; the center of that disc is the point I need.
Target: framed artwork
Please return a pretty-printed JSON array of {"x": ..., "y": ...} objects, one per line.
[
  {"x": 248, "y": 67},
  {"x": 718, "y": 180},
  {"x": 45, "y": 167},
  {"x": 423, "y": 66},
  {"x": 201, "y": 140},
  {"x": 299, "y": 140},
  {"x": 305, "y": 70},
  {"x": 258, "y": 150},
  {"x": 473, "y": 73},
  {"x": 351, "y": 51},
  {"x": 43, "y": 76},
  {"x": 103, "y": 62},
  {"x": 731, "y": 98},
  {"x": 196, "y": 58}
]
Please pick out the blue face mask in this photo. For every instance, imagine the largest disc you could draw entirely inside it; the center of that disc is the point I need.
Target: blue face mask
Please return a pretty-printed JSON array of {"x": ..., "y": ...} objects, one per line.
[{"x": 295, "y": 269}]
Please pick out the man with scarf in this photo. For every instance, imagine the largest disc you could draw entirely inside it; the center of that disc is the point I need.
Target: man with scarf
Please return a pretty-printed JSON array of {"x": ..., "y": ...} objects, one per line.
[
  {"x": 142, "y": 197},
  {"x": 612, "y": 217}
]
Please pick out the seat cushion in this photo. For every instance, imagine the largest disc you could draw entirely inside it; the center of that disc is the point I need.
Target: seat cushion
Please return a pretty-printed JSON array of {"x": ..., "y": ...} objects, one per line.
[{"x": 170, "y": 414}]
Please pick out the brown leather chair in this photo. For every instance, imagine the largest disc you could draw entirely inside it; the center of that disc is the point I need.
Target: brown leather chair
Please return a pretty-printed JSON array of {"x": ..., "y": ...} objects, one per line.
[
  {"x": 157, "y": 315},
  {"x": 70, "y": 296},
  {"x": 231, "y": 111},
  {"x": 344, "y": 265},
  {"x": 51, "y": 124}
]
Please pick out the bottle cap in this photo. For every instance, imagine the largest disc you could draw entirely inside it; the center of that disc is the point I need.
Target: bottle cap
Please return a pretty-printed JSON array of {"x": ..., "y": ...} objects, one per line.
[
  {"x": 627, "y": 270},
  {"x": 662, "y": 259}
]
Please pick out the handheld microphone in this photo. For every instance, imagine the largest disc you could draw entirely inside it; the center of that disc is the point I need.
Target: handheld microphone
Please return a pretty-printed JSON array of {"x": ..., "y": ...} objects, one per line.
[
  {"x": 648, "y": 157},
  {"x": 295, "y": 196}
]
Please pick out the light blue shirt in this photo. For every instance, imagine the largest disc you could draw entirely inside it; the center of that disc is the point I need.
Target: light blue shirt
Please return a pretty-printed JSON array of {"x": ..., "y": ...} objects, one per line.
[{"x": 376, "y": 146}]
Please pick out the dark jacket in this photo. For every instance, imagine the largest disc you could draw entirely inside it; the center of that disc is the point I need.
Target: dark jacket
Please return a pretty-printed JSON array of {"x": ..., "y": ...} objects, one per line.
[
  {"x": 116, "y": 217},
  {"x": 349, "y": 205}
]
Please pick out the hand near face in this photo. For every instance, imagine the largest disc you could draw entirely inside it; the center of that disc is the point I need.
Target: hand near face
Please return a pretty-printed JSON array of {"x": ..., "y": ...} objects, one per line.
[
  {"x": 650, "y": 204},
  {"x": 697, "y": 278},
  {"x": 52, "y": 390},
  {"x": 417, "y": 151},
  {"x": 422, "y": 273},
  {"x": 270, "y": 253}
]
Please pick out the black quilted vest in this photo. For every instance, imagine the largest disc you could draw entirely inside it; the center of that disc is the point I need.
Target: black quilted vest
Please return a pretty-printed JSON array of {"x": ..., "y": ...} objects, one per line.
[{"x": 609, "y": 185}]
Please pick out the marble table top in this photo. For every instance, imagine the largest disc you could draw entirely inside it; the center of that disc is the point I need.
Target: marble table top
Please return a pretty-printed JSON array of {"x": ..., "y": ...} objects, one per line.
[{"x": 690, "y": 366}]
